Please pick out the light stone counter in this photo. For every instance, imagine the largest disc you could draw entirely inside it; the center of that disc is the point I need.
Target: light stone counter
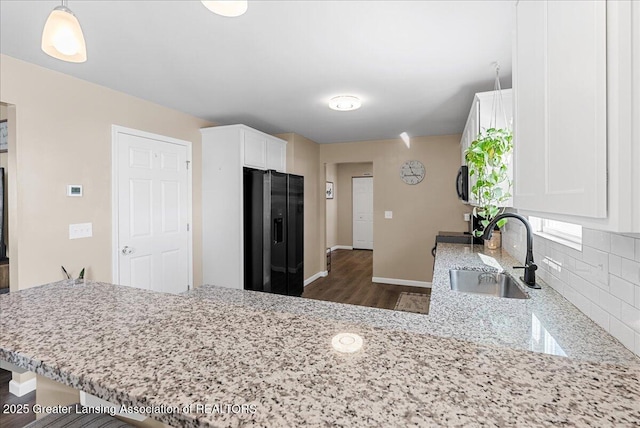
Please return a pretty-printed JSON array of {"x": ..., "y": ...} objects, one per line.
[
  {"x": 545, "y": 323},
  {"x": 141, "y": 348}
]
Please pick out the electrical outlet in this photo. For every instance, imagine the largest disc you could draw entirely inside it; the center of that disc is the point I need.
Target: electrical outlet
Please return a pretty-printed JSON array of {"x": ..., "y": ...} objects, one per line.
[
  {"x": 388, "y": 214},
  {"x": 80, "y": 230}
]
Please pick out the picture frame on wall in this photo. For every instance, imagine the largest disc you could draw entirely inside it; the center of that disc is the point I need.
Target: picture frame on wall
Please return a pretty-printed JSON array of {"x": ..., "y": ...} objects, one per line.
[
  {"x": 329, "y": 190},
  {"x": 4, "y": 136}
]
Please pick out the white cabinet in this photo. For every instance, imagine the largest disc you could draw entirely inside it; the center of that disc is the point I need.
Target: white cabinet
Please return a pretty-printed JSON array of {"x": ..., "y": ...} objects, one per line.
[
  {"x": 255, "y": 149},
  {"x": 225, "y": 151},
  {"x": 276, "y": 154},
  {"x": 481, "y": 117},
  {"x": 576, "y": 142}
]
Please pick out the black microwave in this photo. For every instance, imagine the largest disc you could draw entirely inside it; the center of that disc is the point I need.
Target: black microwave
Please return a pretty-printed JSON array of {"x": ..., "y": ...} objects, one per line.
[{"x": 462, "y": 183}]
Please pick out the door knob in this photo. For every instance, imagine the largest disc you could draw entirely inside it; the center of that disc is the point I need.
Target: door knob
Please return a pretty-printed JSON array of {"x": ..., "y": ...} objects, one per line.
[{"x": 126, "y": 250}]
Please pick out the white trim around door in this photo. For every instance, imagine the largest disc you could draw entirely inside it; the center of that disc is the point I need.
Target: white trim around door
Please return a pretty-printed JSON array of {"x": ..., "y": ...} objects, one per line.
[{"x": 117, "y": 130}]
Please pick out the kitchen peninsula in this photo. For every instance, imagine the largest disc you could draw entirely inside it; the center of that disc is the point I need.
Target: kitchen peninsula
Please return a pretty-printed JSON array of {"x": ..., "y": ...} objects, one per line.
[{"x": 139, "y": 348}]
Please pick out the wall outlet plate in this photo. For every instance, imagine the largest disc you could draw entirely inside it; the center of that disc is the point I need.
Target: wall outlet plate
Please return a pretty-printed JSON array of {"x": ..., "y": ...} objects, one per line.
[
  {"x": 74, "y": 190},
  {"x": 388, "y": 214}
]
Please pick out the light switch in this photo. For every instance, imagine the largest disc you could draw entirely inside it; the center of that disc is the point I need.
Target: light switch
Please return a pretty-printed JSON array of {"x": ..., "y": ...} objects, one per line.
[
  {"x": 388, "y": 214},
  {"x": 80, "y": 230}
]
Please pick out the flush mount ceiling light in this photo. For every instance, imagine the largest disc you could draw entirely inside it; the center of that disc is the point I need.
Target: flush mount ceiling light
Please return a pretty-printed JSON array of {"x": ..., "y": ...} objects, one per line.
[
  {"x": 345, "y": 103},
  {"x": 406, "y": 139},
  {"x": 62, "y": 36},
  {"x": 230, "y": 8}
]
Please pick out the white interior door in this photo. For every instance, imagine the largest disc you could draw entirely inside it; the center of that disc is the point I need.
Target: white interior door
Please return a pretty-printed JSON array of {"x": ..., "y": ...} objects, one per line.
[
  {"x": 152, "y": 213},
  {"x": 363, "y": 213}
]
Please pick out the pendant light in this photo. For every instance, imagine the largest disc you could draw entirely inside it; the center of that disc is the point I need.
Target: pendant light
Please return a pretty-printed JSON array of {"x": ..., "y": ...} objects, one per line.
[
  {"x": 230, "y": 8},
  {"x": 62, "y": 36}
]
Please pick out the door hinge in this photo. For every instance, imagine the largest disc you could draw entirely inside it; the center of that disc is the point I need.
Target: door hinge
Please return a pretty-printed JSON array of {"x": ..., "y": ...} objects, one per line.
[
  {"x": 188, "y": 163},
  {"x": 188, "y": 227}
]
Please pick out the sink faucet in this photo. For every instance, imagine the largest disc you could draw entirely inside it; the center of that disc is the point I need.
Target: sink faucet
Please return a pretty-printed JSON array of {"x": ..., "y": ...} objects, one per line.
[{"x": 529, "y": 266}]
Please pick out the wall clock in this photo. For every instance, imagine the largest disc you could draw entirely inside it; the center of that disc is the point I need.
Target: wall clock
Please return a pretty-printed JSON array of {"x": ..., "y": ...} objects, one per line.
[{"x": 412, "y": 172}]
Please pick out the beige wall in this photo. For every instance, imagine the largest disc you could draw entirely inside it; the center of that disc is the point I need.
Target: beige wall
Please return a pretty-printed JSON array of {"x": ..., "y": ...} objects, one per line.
[
  {"x": 332, "y": 206},
  {"x": 303, "y": 159},
  {"x": 402, "y": 245},
  {"x": 346, "y": 171},
  {"x": 4, "y": 163},
  {"x": 63, "y": 136}
]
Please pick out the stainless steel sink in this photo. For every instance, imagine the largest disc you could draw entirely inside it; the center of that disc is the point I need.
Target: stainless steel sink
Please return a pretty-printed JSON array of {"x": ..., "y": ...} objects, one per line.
[{"x": 490, "y": 283}]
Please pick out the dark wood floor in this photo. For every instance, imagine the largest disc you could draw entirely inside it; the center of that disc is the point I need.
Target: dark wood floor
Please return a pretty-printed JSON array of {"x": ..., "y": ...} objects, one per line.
[
  {"x": 350, "y": 282},
  {"x": 14, "y": 420}
]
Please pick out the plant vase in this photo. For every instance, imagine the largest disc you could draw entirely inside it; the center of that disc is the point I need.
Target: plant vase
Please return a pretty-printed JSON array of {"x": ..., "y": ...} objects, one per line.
[{"x": 495, "y": 242}]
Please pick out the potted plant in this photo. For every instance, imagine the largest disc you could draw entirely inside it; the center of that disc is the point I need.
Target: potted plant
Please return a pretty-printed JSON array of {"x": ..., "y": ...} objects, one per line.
[{"x": 487, "y": 162}]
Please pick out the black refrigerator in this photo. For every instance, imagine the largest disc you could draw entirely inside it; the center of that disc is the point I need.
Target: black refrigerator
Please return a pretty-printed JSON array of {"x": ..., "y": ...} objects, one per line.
[{"x": 273, "y": 231}]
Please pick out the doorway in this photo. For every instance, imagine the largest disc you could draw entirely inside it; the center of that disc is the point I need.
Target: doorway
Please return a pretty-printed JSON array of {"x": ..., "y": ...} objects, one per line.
[
  {"x": 151, "y": 211},
  {"x": 362, "y": 191}
]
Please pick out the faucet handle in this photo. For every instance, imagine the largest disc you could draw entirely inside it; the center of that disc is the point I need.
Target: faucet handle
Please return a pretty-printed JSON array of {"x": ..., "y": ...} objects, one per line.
[{"x": 519, "y": 267}]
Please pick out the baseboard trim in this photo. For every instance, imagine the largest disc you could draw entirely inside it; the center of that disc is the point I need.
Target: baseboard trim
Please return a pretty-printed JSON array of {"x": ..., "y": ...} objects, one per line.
[
  {"x": 395, "y": 281},
  {"x": 20, "y": 389},
  {"x": 341, "y": 247},
  {"x": 314, "y": 277}
]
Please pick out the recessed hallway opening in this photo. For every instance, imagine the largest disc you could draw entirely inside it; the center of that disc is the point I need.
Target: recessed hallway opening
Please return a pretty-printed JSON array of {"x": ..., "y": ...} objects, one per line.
[{"x": 350, "y": 282}]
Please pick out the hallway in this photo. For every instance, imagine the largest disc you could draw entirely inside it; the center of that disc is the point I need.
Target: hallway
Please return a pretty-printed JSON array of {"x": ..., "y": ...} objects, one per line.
[{"x": 350, "y": 282}]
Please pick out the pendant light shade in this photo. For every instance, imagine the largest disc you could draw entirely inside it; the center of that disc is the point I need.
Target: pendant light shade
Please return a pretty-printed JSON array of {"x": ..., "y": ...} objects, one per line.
[
  {"x": 62, "y": 36},
  {"x": 230, "y": 8}
]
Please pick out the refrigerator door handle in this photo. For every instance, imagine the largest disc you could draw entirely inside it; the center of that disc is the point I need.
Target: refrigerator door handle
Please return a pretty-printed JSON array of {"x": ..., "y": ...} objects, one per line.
[{"x": 278, "y": 231}]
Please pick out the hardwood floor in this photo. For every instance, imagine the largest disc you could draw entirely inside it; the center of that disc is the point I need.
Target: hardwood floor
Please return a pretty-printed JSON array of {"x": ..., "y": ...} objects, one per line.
[
  {"x": 14, "y": 420},
  {"x": 350, "y": 282}
]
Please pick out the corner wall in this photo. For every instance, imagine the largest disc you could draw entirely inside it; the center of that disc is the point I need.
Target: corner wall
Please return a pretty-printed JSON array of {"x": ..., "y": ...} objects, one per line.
[
  {"x": 332, "y": 205},
  {"x": 303, "y": 159},
  {"x": 63, "y": 136}
]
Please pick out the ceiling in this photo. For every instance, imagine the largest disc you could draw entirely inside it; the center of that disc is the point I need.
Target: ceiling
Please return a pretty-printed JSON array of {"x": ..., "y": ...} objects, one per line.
[{"x": 414, "y": 64}]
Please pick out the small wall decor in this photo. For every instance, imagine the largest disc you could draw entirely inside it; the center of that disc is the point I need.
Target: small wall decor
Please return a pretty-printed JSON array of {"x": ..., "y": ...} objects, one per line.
[
  {"x": 4, "y": 136},
  {"x": 329, "y": 190}
]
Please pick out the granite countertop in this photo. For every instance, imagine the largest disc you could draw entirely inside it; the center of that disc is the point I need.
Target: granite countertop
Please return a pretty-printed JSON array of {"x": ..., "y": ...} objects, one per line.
[
  {"x": 143, "y": 348},
  {"x": 545, "y": 323}
]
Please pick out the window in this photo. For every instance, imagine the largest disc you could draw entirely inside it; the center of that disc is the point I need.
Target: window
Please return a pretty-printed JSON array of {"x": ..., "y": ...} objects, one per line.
[{"x": 559, "y": 231}]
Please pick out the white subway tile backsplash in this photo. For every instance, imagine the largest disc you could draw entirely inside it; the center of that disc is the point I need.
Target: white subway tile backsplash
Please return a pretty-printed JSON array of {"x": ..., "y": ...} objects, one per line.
[
  {"x": 588, "y": 290},
  {"x": 596, "y": 239},
  {"x": 622, "y": 332},
  {"x": 624, "y": 290},
  {"x": 602, "y": 280},
  {"x": 614, "y": 264},
  {"x": 583, "y": 269},
  {"x": 609, "y": 303},
  {"x": 599, "y": 262},
  {"x": 630, "y": 271},
  {"x": 623, "y": 246},
  {"x": 578, "y": 300},
  {"x": 630, "y": 316},
  {"x": 600, "y": 316}
]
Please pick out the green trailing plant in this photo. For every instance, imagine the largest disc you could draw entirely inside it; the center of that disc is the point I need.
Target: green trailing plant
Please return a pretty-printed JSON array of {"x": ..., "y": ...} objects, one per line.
[{"x": 487, "y": 162}]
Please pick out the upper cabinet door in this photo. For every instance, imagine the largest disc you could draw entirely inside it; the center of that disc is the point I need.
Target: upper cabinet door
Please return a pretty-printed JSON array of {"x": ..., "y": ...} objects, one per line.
[
  {"x": 255, "y": 150},
  {"x": 560, "y": 133},
  {"x": 276, "y": 155}
]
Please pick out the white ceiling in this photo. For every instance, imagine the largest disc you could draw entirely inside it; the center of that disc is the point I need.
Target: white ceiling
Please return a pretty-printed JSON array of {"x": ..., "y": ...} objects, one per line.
[{"x": 415, "y": 64}]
